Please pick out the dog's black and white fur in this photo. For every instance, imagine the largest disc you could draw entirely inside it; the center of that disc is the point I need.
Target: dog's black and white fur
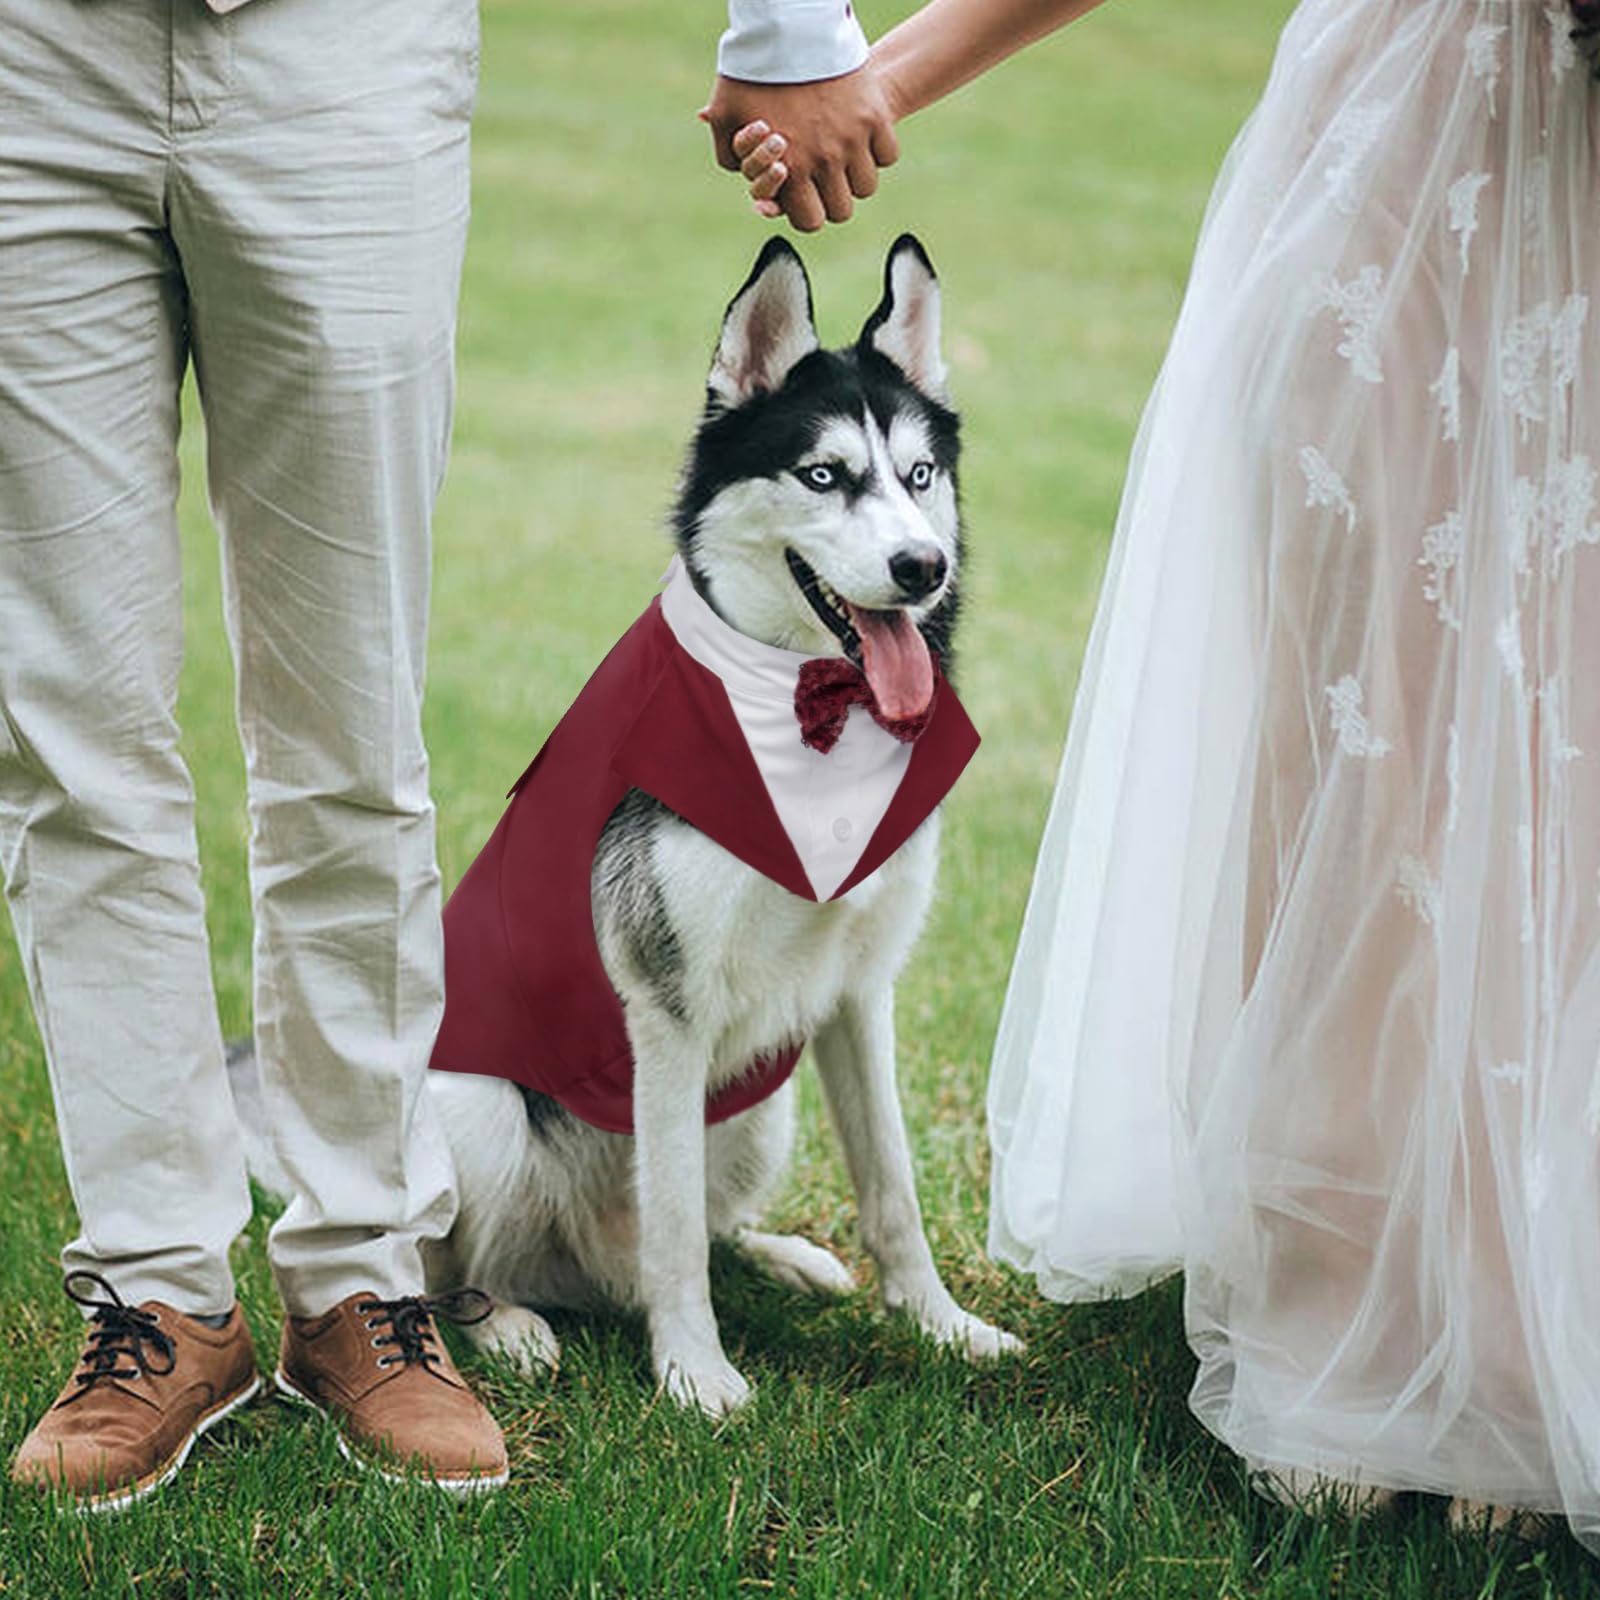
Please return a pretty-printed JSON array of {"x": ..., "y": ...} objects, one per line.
[{"x": 815, "y": 477}]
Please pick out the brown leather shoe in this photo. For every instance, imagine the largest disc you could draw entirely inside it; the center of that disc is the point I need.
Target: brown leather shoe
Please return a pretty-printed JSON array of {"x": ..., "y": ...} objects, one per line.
[
  {"x": 149, "y": 1383},
  {"x": 379, "y": 1369}
]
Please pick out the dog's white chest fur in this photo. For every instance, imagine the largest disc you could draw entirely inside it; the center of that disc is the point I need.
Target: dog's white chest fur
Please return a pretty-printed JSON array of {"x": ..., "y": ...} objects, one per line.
[{"x": 762, "y": 966}]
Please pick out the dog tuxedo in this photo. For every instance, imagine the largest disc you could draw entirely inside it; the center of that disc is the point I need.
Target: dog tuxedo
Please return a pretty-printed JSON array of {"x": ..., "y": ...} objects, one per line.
[{"x": 705, "y": 720}]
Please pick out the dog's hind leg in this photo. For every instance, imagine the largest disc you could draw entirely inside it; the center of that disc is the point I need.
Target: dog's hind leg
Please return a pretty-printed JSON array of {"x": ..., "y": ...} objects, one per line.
[
  {"x": 855, "y": 1057},
  {"x": 795, "y": 1261},
  {"x": 521, "y": 1336},
  {"x": 744, "y": 1159}
]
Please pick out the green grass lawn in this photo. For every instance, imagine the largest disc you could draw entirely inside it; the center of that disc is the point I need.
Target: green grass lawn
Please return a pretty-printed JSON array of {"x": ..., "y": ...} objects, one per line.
[{"x": 1059, "y": 200}]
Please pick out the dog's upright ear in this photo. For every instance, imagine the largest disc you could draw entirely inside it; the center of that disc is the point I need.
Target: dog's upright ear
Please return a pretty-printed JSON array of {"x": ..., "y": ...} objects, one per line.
[
  {"x": 768, "y": 327},
  {"x": 905, "y": 327}
]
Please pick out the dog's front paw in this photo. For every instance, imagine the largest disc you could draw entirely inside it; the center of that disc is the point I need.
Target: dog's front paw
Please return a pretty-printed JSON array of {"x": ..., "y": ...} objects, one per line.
[
  {"x": 716, "y": 1387},
  {"x": 521, "y": 1336},
  {"x": 947, "y": 1324},
  {"x": 978, "y": 1340}
]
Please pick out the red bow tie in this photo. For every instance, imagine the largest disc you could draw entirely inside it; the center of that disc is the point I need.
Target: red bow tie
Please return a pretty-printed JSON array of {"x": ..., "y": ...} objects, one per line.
[{"x": 824, "y": 693}]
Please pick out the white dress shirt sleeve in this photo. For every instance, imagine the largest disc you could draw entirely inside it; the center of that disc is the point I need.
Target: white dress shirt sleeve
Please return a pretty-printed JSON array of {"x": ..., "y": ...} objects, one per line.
[{"x": 790, "y": 41}]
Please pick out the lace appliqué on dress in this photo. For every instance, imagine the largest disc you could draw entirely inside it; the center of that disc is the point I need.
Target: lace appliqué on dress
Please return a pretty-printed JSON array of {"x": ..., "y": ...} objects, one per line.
[
  {"x": 1419, "y": 889},
  {"x": 1324, "y": 486},
  {"x": 1446, "y": 389},
  {"x": 1345, "y": 711},
  {"x": 1568, "y": 505},
  {"x": 1353, "y": 134},
  {"x": 1483, "y": 56},
  {"x": 1441, "y": 557},
  {"x": 1539, "y": 336},
  {"x": 1356, "y": 304},
  {"x": 1461, "y": 200},
  {"x": 1523, "y": 525},
  {"x": 1566, "y": 334},
  {"x": 1508, "y": 641},
  {"x": 1561, "y": 750},
  {"x": 1563, "y": 49},
  {"x": 1554, "y": 516}
]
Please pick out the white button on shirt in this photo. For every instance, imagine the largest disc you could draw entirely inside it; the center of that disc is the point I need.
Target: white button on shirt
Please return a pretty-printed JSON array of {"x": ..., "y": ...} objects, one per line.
[
  {"x": 830, "y": 805},
  {"x": 790, "y": 41}
]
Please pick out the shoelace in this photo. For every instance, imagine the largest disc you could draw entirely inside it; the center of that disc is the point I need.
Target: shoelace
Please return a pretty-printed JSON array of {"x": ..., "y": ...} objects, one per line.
[
  {"x": 410, "y": 1320},
  {"x": 120, "y": 1334}
]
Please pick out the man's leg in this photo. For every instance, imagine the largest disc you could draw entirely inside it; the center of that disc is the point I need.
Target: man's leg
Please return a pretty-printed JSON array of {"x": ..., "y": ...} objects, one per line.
[
  {"x": 96, "y": 808},
  {"x": 320, "y": 207},
  {"x": 96, "y": 815}
]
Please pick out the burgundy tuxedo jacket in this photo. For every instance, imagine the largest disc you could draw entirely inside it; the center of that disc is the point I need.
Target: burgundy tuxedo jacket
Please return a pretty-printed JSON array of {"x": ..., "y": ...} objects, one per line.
[{"x": 526, "y": 995}]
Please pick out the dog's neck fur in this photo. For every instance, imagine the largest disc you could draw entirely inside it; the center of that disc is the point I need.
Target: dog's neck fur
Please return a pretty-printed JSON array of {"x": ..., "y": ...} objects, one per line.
[{"x": 775, "y": 615}]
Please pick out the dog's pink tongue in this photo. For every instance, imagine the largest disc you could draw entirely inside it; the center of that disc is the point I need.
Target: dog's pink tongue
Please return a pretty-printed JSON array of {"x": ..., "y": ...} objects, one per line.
[{"x": 895, "y": 658}]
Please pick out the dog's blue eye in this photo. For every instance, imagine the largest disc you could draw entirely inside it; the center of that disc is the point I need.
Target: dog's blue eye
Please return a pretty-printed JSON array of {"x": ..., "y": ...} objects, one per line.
[
  {"x": 921, "y": 475},
  {"x": 820, "y": 477}
]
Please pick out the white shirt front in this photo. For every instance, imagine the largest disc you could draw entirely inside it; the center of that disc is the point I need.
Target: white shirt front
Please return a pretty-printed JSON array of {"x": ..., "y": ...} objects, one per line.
[
  {"x": 790, "y": 41},
  {"x": 830, "y": 805}
]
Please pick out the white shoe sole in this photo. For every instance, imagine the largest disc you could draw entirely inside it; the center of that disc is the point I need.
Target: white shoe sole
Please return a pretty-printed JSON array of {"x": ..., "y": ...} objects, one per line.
[
  {"x": 479, "y": 1483},
  {"x": 121, "y": 1499}
]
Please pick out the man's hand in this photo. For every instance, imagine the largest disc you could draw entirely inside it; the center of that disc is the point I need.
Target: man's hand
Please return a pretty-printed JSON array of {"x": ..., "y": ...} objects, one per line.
[{"x": 836, "y": 134}]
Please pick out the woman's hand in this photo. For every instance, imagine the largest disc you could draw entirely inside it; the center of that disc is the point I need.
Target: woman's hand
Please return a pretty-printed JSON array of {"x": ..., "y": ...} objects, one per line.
[
  {"x": 837, "y": 133},
  {"x": 760, "y": 152}
]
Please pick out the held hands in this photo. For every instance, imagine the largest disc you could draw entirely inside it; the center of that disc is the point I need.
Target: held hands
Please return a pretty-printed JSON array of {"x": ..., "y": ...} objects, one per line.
[{"x": 836, "y": 134}]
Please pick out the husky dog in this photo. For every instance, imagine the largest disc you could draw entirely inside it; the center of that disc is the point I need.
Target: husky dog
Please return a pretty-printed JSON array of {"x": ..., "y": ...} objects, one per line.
[{"x": 818, "y": 513}]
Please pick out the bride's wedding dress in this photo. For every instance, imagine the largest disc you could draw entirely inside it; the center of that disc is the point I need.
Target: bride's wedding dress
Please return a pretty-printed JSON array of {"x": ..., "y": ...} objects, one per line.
[{"x": 1307, "y": 1001}]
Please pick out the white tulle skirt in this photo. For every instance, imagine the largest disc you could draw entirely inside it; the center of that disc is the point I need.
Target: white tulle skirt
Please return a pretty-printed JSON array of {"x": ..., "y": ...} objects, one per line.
[{"x": 1307, "y": 1001}]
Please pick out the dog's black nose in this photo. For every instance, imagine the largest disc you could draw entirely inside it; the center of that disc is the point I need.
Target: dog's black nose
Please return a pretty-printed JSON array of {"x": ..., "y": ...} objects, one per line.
[{"x": 918, "y": 572}]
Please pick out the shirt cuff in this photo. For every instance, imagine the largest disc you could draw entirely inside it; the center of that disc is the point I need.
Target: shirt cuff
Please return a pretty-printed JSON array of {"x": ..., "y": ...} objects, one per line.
[{"x": 790, "y": 41}]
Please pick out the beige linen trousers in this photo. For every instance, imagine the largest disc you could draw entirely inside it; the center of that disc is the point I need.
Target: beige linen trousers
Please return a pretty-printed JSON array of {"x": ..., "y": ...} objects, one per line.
[{"x": 279, "y": 194}]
